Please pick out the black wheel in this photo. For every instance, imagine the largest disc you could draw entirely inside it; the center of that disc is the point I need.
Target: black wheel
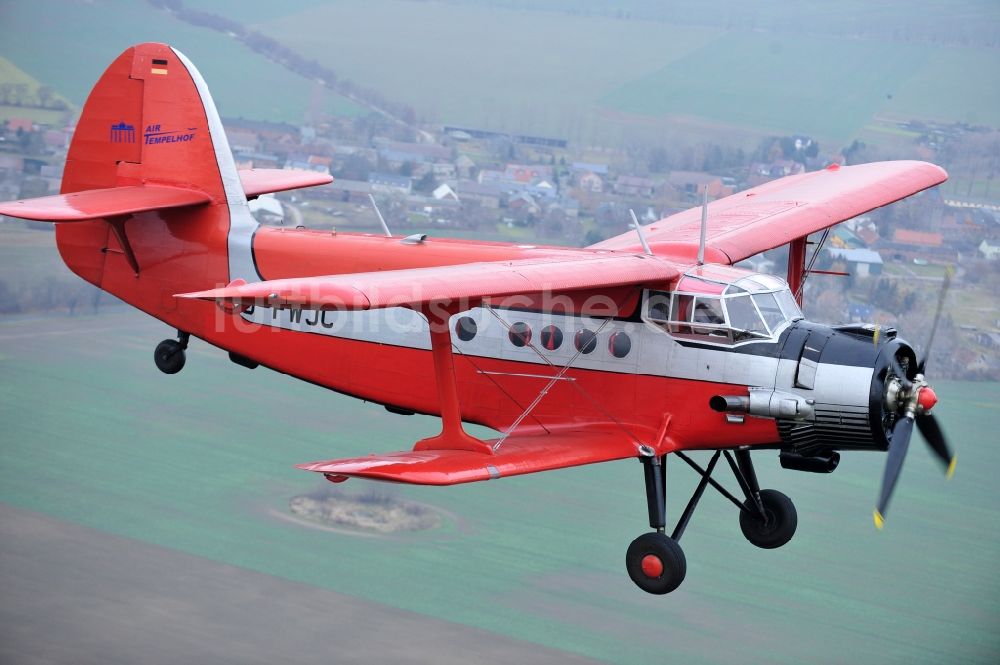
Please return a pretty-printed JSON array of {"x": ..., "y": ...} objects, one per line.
[
  {"x": 169, "y": 356},
  {"x": 656, "y": 563},
  {"x": 778, "y": 528}
]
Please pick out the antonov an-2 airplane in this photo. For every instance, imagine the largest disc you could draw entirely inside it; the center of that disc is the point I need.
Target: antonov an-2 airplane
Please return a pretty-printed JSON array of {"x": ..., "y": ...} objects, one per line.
[{"x": 642, "y": 346}]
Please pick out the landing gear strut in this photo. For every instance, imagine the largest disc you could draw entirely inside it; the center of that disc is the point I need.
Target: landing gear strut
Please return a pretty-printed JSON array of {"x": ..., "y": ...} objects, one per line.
[
  {"x": 656, "y": 562},
  {"x": 169, "y": 355}
]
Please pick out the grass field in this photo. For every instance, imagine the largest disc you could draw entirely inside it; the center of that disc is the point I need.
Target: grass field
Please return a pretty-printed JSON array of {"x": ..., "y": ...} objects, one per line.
[
  {"x": 813, "y": 86},
  {"x": 196, "y": 462},
  {"x": 507, "y": 69},
  {"x": 10, "y": 73},
  {"x": 69, "y": 52},
  {"x": 521, "y": 71},
  {"x": 588, "y": 77}
]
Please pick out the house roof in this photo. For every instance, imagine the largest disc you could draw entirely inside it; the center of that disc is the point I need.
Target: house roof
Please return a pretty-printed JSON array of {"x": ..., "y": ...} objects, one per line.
[
  {"x": 23, "y": 124},
  {"x": 318, "y": 160},
  {"x": 390, "y": 180},
  {"x": 924, "y": 238},
  {"x": 527, "y": 172},
  {"x": 444, "y": 191}
]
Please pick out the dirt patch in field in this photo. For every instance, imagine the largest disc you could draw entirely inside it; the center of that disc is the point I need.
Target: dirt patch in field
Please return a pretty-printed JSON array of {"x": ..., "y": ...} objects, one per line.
[{"x": 372, "y": 511}]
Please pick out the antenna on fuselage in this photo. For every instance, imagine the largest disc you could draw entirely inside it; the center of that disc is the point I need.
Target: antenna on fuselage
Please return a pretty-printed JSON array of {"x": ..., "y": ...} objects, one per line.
[
  {"x": 381, "y": 219},
  {"x": 704, "y": 226},
  {"x": 638, "y": 229}
]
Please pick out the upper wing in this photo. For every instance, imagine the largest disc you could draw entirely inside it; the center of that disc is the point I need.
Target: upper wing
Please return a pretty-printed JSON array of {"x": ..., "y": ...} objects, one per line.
[
  {"x": 466, "y": 284},
  {"x": 783, "y": 210},
  {"x": 266, "y": 181},
  {"x": 518, "y": 454},
  {"x": 109, "y": 202}
]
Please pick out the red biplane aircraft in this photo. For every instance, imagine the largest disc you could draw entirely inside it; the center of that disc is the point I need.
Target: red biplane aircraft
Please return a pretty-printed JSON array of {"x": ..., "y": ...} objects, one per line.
[{"x": 642, "y": 346}]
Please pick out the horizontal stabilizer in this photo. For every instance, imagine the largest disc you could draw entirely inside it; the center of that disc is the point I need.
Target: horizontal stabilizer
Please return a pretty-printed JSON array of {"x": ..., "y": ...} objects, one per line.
[
  {"x": 267, "y": 181},
  {"x": 97, "y": 203},
  {"x": 467, "y": 283},
  {"x": 519, "y": 454}
]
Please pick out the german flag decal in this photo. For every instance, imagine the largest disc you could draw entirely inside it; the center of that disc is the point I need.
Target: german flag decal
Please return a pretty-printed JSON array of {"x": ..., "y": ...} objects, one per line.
[{"x": 159, "y": 67}]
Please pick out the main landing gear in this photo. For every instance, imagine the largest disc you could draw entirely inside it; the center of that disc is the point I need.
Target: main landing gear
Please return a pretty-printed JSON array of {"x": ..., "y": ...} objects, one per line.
[
  {"x": 655, "y": 561},
  {"x": 169, "y": 355}
]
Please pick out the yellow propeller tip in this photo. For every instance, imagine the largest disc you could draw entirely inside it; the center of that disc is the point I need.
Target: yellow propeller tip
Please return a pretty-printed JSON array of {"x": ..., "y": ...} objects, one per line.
[
  {"x": 879, "y": 520},
  {"x": 951, "y": 468}
]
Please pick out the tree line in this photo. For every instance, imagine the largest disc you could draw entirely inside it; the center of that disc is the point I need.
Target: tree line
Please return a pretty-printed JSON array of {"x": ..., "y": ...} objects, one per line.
[{"x": 22, "y": 94}]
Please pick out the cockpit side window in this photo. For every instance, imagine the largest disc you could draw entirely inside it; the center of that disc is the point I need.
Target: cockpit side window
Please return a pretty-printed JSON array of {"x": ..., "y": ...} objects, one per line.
[
  {"x": 709, "y": 310},
  {"x": 683, "y": 305},
  {"x": 769, "y": 309},
  {"x": 788, "y": 305},
  {"x": 659, "y": 307},
  {"x": 744, "y": 316}
]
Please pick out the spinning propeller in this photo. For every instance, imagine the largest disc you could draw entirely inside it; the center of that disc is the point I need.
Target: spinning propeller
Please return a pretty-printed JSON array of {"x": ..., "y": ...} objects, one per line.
[{"x": 912, "y": 400}]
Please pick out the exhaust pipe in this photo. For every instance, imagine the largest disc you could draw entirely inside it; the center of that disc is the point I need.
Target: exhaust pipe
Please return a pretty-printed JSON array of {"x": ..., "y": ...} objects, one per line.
[
  {"x": 765, "y": 403},
  {"x": 811, "y": 463}
]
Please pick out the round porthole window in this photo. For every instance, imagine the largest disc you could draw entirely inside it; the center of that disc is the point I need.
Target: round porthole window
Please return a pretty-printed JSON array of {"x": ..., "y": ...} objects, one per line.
[
  {"x": 520, "y": 334},
  {"x": 552, "y": 338},
  {"x": 466, "y": 328},
  {"x": 585, "y": 341},
  {"x": 619, "y": 344}
]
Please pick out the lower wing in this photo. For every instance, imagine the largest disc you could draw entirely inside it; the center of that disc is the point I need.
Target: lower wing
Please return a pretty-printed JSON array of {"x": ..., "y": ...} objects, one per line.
[{"x": 516, "y": 455}]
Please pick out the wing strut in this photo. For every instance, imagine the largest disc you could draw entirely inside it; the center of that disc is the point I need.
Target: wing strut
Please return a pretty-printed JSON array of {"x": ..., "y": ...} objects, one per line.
[
  {"x": 452, "y": 436},
  {"x": 797, "y": 266}
]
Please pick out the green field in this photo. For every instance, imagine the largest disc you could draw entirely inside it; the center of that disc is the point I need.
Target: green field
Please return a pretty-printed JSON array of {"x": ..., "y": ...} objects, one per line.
[
  {"x": 583, "y": 75},
  {"x": 809, "y": 85},
  {"x": 197, "y": 462},
  {"x": 513, "y": 70},
  {"x": 562, "y": 74},
  {"x": 70, "y": 50},
  {"x": 10, "y": 73}
]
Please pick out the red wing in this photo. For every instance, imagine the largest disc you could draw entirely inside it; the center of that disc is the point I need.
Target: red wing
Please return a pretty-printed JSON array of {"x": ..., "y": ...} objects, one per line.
[
  {"x": 778, "y": 212},
  {"x": 519, "y": 454},
  {"x": 266, "y": 181},
  {"x": 109, "y": 202},
  {"x": 466, "y": 283}
]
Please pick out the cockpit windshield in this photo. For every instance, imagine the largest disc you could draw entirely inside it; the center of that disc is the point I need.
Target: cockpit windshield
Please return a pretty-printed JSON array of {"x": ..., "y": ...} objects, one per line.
[{"x": 724, "y": 306}]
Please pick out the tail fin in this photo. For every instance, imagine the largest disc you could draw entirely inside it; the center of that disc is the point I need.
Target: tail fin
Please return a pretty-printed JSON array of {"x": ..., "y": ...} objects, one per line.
[
  {"x": 150, "y": 140},
  {"x": 150, "y": 120},
  {"x": 149, "y": 178}
]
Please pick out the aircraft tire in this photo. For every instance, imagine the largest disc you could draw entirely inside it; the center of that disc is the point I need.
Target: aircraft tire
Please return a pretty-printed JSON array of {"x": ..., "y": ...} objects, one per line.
[
  {"x": 656, "y": 563},
  {"x": 169, "y": 356},
  {"x": 779, "y": 528}
]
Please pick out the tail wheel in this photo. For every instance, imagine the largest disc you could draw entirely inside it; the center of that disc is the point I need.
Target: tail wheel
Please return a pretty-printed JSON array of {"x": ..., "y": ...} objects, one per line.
[
  {"x": 656, "y": 563},
  {"x": 169, "y": 356},
  {"x": 779, "y": 525}
]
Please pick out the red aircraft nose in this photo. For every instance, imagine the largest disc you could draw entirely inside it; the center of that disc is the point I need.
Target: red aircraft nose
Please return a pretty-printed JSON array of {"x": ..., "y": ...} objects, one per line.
[{"x": 926, "y": 398}]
